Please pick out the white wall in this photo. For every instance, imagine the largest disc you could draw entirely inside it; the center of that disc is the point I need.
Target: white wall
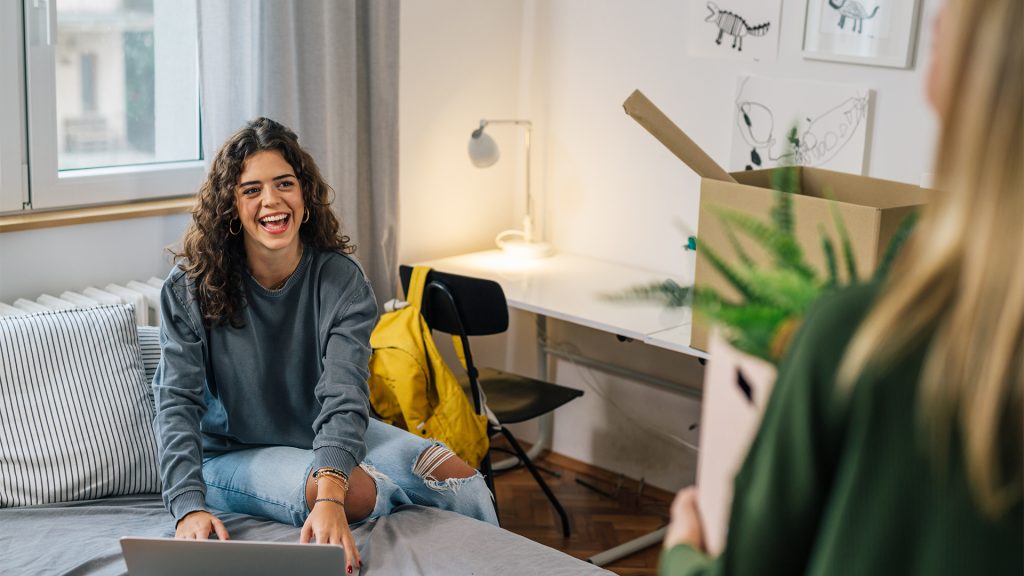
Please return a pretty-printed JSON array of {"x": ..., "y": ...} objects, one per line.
[
  {"x": 52, "y": 260},
  {"x": 610, "y": 190},
  {"x": 459, "y": 63}
]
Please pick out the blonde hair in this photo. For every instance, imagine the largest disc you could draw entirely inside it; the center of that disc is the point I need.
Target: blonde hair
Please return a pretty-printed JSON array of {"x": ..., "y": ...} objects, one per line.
[{"x": 959, "y": 286}]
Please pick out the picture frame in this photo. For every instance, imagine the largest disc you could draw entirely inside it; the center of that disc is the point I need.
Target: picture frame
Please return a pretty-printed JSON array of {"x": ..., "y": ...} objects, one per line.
[{"x": 869, "y": 32}]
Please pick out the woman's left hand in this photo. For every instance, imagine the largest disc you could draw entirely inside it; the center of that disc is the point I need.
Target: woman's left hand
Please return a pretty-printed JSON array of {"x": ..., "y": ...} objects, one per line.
[
  {"x": 685, "y": 526},
  {"x": 328, "y": 524}
]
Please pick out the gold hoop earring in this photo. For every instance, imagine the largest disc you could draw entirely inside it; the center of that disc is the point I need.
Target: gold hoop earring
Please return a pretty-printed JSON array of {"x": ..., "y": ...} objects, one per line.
[
  {"x": 231, "y": 230},
  {"x": 306, "y": 217}
]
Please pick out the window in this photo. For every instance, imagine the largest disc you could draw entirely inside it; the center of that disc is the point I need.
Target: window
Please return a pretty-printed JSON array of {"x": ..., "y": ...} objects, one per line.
[
  {"x": 112, "y": 106},
  {"x": 12, "y": 133}
]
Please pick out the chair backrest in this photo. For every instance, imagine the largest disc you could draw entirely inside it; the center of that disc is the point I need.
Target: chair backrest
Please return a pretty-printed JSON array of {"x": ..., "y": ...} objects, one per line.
[{"x": 480, "y": 306}]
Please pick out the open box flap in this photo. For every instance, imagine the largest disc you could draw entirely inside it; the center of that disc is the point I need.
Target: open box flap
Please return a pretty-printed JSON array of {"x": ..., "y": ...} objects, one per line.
[{"x": 654, "y": 121}]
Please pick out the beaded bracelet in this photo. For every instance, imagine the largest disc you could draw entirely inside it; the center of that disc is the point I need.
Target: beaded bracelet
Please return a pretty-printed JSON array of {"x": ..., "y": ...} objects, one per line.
[
  {"x": 329, "y": 470},
  {"x": 333, "y": 474},
  {"x": 335, "y": 500},
  {"x": 340, "y": 482}
]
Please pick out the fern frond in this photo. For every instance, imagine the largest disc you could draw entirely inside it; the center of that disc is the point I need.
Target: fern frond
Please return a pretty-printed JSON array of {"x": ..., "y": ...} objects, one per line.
[
  {"x": 787, "y": 178},
  {"x": 829, "y": 249},
  {"x": 749, "y": 328},
  {"x": 897, "y": 241},
  {"x": 844, "y": 237},
  {"x": 741, "y": 253},
  {"x": 783, "y": 247},
  {"x": 727, "y": 271},
  {"x": 782, "y": 212},
  {"x": 668, "y": 293},
  {"x": 785, "y": 289},
  {"x": 706, "y": 300}
]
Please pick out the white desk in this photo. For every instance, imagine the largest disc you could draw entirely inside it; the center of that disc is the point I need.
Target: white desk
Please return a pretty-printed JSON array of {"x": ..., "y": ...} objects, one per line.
[{"x": 574, "y": 289}]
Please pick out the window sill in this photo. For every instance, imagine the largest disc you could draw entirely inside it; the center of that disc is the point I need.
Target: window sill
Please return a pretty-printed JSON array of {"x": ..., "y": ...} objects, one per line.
[{"x": 33, "y": 220}]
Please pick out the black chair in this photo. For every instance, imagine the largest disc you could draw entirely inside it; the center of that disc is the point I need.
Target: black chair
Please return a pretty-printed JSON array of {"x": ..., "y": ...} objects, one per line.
[{"x": 464, "y": 306}]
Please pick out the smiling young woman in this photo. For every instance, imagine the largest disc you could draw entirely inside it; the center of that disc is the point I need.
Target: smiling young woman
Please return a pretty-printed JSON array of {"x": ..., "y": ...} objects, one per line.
[{"x": 261, "y": 393}]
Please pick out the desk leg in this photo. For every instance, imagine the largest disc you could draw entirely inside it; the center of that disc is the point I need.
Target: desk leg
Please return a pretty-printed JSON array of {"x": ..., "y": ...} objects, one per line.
[
  {"x": 545, "y": 423},
  {"x": 628, "y": 548}
]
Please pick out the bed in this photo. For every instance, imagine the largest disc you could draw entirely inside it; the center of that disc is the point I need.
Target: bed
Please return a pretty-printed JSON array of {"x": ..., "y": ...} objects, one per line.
[
  {"x": 82, "y": 538},
  {"x": 78, "y": 466}
]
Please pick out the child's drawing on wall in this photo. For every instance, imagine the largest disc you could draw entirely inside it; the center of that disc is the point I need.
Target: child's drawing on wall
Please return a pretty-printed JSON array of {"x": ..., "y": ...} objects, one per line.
[
  {"x": 746, "y": 29},
  {"x": 855, "y": 12},
  {"x": 830, "y": 123},
  {"x": 871, "y": 18},
  {"x": 734, "y": 25}
]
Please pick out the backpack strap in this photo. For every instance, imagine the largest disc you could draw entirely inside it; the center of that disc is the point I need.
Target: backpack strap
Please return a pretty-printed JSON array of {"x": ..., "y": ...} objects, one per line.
[
  {"x": 460, "y": 351},
  {"x": 414, "y": 296},
  {"x": 416, "y": 285}
]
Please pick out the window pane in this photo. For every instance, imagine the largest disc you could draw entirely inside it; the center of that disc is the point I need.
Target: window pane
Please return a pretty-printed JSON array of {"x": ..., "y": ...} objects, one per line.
[{"x": 126, "y": 83}]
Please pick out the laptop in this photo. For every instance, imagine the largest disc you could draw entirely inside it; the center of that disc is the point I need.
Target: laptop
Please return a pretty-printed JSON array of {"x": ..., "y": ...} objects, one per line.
[{"x": 168, "y": 556}]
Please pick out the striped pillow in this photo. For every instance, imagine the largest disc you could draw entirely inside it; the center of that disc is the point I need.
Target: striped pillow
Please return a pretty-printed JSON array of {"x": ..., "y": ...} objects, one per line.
[
  {"x": 75, "y": 417},
  {"x": 149, "y": 344}
]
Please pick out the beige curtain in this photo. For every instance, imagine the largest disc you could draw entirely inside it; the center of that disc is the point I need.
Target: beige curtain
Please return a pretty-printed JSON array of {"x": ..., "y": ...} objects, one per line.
[{"x": 328, "y": 69}]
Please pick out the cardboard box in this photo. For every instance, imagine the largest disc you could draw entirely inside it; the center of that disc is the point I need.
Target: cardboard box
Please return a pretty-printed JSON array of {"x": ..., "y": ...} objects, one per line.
[{"x": 871, "y": 209}]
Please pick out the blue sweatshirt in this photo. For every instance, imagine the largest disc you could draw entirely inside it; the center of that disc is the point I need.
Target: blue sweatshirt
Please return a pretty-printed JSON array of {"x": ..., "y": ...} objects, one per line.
[{"x": 293, "y": 375}]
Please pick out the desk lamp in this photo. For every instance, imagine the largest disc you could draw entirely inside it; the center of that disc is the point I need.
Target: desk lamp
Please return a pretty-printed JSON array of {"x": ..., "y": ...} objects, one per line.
[{"x": 483, "y": 152}]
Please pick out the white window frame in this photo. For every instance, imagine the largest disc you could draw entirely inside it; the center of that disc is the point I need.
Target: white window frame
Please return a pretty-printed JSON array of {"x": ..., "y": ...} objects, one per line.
[
  {"x": 48, "y": 186},
  {"x": 13, "y": 186}
]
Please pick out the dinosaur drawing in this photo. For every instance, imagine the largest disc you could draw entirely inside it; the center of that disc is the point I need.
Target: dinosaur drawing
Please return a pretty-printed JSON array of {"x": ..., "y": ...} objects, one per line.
[
  {"x": 853, "y": 10},
  {"x": 816, "y": 140},
  {"x": 733, "y": 25}
]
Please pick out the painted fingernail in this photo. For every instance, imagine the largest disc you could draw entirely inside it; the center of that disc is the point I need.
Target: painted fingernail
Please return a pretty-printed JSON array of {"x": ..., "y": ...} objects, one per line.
[{"x": 350, "y": 569}]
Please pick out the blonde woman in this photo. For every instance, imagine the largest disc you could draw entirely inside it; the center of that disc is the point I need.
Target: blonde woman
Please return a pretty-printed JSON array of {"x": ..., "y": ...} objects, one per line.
[{"x": 893, "y": 441}]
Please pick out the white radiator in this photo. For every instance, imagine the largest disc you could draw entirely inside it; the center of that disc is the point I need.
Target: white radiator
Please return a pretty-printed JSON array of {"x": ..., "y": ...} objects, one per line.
[{"x": 143, "y": 296}]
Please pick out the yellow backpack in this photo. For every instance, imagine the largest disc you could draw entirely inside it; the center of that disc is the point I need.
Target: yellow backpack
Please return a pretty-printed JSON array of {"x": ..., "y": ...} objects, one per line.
[{"x": 411, "y": 386}]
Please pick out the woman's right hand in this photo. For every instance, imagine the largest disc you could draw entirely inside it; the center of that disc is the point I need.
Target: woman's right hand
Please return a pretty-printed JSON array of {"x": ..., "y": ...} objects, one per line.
[
  {"x": 327, "y": 523},
  {"x": 199, "y": 525},
  {"x": 686, "y": 527}
]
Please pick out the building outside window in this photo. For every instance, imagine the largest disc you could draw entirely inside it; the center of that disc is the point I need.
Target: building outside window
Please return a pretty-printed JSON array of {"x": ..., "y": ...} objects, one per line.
[{"x": 112, "y": 107}]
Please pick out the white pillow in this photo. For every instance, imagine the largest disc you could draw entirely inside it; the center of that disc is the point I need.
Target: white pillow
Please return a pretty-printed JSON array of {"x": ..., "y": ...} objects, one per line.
[
  {"x": 76, "y": 421},
  {"x": 149, "y": 344}
]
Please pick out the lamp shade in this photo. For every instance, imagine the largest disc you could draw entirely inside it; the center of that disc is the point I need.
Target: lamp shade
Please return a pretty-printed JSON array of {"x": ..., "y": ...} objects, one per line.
[{"x": 483, "y": 151}]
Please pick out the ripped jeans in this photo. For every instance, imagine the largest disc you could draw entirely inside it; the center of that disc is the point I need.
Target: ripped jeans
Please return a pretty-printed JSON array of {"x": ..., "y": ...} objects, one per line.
[{"x": 271, "y": 482}]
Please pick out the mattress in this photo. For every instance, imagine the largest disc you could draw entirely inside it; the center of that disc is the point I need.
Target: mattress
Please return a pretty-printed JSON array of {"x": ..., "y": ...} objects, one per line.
[{"x": 82, "y": 538}]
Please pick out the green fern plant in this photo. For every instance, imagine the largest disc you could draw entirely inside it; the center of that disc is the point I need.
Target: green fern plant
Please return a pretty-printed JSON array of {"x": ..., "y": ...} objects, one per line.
[{"x": 775, "y": 296}]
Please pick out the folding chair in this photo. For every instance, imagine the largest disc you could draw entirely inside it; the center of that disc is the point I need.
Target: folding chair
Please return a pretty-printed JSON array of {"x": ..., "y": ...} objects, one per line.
[{"x": 464, "y": 306}]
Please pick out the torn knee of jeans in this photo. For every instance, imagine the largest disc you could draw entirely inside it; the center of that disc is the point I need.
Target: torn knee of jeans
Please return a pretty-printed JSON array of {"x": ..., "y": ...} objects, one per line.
[
  {"x": 377, "y": 475},
  {"x": 430, "y": 460}
]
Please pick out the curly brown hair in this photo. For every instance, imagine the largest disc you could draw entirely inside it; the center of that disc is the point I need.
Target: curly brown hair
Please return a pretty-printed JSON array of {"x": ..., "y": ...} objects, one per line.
[{"x": 212, "y": 257}]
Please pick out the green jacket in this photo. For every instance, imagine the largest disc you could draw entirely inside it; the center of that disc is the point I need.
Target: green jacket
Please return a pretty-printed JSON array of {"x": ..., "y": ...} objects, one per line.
[{"x": 843, "y": 484}]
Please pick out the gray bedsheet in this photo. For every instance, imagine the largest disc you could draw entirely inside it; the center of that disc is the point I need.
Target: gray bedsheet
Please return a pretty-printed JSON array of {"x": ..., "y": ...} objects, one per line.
[{"x": 82, "y": 538}]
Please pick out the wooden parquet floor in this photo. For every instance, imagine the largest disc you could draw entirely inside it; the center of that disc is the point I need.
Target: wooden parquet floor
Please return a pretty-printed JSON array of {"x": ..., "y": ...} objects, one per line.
[{"x": 598, "y": 522}]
